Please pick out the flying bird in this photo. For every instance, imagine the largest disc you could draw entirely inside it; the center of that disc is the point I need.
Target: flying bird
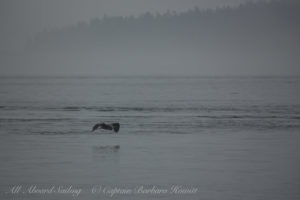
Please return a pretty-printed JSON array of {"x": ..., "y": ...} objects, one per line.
[{"x": 113, "y": 126}]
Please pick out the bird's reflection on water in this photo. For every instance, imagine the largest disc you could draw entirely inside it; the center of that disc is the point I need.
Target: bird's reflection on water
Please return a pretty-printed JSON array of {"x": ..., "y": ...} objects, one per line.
[
  {"x": 105, "y": 152},
  {"x": 106, "y": 148},
  {"x": 106, "y": 162}
]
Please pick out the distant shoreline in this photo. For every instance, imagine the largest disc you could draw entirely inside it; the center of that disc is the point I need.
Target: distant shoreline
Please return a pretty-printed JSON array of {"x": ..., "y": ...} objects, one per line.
[{"x": 143, "y": 76}]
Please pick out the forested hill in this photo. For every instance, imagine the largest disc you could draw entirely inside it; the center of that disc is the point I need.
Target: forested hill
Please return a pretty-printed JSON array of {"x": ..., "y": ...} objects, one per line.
[
  {"x": 253, "y": 38},
  {"x": 248, "y": 23}
]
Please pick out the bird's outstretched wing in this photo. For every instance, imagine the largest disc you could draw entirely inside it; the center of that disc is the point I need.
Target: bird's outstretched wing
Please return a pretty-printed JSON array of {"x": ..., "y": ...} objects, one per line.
[{"x": 96, "y": 126}]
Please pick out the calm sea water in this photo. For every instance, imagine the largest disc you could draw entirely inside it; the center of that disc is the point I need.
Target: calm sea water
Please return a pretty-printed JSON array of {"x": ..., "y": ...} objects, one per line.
[{"x": 229, "y": 137}]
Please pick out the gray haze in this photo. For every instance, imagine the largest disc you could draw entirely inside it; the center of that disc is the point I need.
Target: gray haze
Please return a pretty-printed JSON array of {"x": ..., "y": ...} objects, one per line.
[
  {"x": 207, "y": 52},
  {"x": 36, "y": 15}
]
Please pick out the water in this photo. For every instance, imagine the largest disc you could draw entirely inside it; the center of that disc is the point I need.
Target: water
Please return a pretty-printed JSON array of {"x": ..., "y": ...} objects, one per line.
[{"x": 229, "y": 137}]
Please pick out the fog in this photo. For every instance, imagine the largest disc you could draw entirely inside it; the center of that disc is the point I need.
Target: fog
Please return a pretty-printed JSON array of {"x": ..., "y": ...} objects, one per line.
[{"x": 103, "y": 38}]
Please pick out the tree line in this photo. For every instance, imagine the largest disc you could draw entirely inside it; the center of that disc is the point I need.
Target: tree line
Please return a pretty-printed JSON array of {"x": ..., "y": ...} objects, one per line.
[{"x": 249, "y": 23}]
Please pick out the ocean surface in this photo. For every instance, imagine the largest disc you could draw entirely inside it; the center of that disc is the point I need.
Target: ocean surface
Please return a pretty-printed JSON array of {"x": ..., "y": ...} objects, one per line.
[{"x": 180, "y": 138}]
